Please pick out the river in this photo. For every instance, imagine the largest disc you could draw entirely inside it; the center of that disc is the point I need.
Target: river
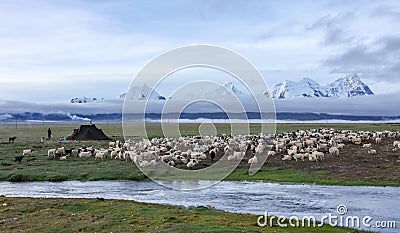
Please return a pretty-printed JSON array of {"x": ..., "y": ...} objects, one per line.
[{"x": 380, "y": 203}]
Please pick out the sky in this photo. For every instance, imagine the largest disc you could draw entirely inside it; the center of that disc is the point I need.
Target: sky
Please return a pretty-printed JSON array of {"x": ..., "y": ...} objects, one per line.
[{"x": 52, "y": 51}]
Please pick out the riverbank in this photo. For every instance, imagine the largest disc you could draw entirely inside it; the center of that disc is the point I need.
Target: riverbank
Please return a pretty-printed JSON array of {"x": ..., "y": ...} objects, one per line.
[
  {"x": 99, "y": 215},
  {"x": 354, "y": 167}
]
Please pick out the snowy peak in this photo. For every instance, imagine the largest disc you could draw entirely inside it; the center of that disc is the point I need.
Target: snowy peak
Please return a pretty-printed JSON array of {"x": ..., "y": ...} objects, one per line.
[
  {"x": 305, "y": 88},
  {"x": 142, "y": 92},
  {"x": 232, "y": 88},
  {"x": 84, "y": 99},
  {"x": 348, "y": 86}
]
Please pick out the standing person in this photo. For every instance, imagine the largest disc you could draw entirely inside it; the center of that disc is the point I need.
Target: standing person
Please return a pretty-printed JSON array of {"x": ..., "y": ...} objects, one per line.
[{"x": 49, "y": 133}]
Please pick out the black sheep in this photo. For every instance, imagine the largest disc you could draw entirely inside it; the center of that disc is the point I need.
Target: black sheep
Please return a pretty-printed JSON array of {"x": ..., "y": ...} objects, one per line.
[
  {"x": 12, "y": 139},
  {"x": 19, "y": 158},
  {"x": 212, "y": 155}
]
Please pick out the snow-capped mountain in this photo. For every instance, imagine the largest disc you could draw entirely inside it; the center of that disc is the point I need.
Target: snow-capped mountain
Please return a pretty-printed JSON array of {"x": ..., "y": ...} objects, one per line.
[
  {"x": 142, "y": 92},
  {"x": 83, "y": 100},
  {"x": 232, "y": 88},
  {"x": 348, "y": 86},
  {"x": 226, "y": 89}
]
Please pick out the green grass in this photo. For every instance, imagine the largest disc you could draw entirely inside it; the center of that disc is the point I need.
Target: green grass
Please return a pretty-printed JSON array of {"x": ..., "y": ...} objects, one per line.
[
  {"x": 300, "y": 176},
  {"x": 93, "y": 215},
  {"x": 39, "y": 168}
]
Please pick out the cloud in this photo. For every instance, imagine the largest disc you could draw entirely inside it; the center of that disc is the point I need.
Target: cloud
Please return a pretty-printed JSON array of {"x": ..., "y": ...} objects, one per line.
[
  {"x": 374, "y": 105},
  {"x": 379, "y": 61},
  {"x": 332, "y": 27}
]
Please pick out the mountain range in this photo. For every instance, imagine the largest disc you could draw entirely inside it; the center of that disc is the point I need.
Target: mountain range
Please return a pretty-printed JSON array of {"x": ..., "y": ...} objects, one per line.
[
  {"x": 348, "y": 86},
  {"x": 345, "y": 87}
]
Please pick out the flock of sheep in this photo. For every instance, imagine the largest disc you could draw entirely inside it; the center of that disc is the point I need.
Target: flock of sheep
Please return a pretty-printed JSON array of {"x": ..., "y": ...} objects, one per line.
[{"x": 189, "y": 151}]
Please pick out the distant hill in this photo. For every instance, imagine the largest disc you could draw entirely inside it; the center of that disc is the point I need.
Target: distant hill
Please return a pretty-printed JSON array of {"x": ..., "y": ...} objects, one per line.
[{"x": 348, "y": 86}]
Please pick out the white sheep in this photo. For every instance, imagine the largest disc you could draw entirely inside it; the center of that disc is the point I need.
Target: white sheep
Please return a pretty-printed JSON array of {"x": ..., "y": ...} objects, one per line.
[
  {"x": 319, "y": 155},
  {"x": 144, "y": 163},
  {"x": 271, "y": 153},
  {"x": 298, "y": 156},
  {"x": 378, "y": 140},
  {"x": 372, "y": 152},
  {"x": 286, "y": 157},
  {"x": 100, "y": 155},
  {"x": 51, "y": 153},
  {"x": 60, "y": 151},
  {"x": 237, "y": 155},
  {"x": 114, "y": 154},
  {"x": 334, "y": 151},
  {"x": 253, "y": 160},
  {"x": 27, "y": 152},
  {"x": 368, "y": 145},
  {"x": 357, "y": 141},
  {"x": 192, "y": 163},
  {"x": 85, "y": 154},
  {"x": 396, "y": 143}
]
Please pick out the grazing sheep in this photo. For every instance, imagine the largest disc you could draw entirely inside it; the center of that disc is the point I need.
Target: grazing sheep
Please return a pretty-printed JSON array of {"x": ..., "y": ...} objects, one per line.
[
  {"x": 85, "y": 154},
  {"x": 75, "y": 152},
  {"x": 291, "y": 152},
  {"x": 236, "y": 156},
  {"x": 372, "y": 152},
  {"x": 144, "y": 163},
  {"x": 171, "y": 163},
  {"x": 298, "y": 156},
  {"x": 51, "y": 153},
  {"x": 12, "y": 139},
  {"x": 114, "y": 154},
  {"x": 192, "y": 163},
  {"x": 316, "y": 156},
  {"x": 213, "y": 153},
  {"x": 334, "y": 151},
  {"x": 368, "y": 145},
  {"x": 19, "y": 158},
  {"x": 357, "y": 141},
  {"x": 27, "y": 152},
  {"x": 253, "y": 160},
  {"x": 320, "y": 155},
  {"x": 69, "y": 151},
  {"x": 60, "y": 151},
  {"x": 271, "y": 153},
  {"x": 309, "y": 142},
  {"x": 100, "y": 155}
]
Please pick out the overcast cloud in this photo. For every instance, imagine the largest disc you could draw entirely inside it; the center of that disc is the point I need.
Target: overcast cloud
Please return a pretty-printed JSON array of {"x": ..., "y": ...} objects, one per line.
[{"x": 52, "y": 51}]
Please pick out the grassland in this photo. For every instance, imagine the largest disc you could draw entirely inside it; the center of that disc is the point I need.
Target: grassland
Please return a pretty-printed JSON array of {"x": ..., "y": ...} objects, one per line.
[
  {"x": 39, "y": 168},
  {"x": 98, "y": 215}
]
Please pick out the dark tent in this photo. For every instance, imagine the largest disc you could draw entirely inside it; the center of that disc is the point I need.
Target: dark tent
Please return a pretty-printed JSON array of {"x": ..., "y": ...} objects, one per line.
[{"x": 88, "y": 132}]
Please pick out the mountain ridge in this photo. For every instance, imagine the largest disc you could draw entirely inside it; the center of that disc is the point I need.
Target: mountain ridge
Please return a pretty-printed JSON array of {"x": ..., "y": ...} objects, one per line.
[{"x": 348, "y": 86}]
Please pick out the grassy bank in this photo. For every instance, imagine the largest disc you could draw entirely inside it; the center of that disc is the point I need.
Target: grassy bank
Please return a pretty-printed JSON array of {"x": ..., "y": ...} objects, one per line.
[
  {"x": 39, "y": 168},
  {"x": 95, "y": 215},
  {"x": 301, "y": 176}
]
